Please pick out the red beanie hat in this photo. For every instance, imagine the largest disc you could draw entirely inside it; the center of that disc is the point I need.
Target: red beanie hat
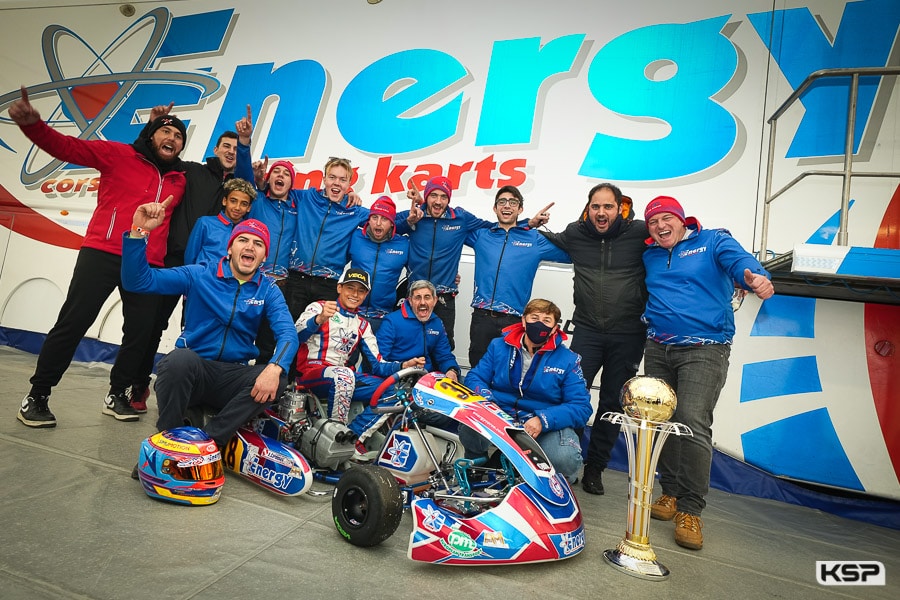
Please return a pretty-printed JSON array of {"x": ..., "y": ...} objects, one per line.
[
  {"x": 252, "y": 227},
  {"x": 664, "y": 204},
  {"x": 438, "y": 183},
  {"x": 286, "y": 165},
  {"x": 385, "y": 207}
]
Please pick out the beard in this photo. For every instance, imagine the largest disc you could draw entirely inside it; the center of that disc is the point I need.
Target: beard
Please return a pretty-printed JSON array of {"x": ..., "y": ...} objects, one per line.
[{"x": 154, "y": 148}]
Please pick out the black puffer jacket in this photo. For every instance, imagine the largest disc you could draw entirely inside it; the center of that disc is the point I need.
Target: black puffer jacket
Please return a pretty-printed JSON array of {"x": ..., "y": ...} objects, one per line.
[
  {"x": 609, "y": 290},
  {"x": 202, "y": 197}
]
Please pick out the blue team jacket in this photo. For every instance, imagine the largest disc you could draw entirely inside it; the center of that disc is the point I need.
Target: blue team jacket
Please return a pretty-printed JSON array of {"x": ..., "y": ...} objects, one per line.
[
  {"x": 691, "y": 285},
  {"x": 553, "y": 387},
  {"x": 324, "y": 229},
  {"x": 208, "y": 241},
  {"x": 384, "y": 262},
  {"x": 435, "y": 245},
  {"x": 402, "y": 337},
  {"x": 505, "y": 266},
  {"x": 280, "y": 216},
  {"x": 221, "y": 315}
]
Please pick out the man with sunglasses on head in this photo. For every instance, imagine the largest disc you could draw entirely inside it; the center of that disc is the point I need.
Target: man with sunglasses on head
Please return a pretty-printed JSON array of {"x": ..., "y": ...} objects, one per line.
[
  {"x": 507, "y": 256},
  {"x": 325, "y": 219}
]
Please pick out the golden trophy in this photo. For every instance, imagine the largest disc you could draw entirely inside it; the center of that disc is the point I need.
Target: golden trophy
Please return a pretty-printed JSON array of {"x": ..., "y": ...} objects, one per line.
[{"x": 648, "y": 404}]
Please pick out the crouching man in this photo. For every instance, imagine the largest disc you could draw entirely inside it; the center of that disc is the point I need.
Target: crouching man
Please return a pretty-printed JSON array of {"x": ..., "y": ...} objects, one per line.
[
  {"x": 538, "y": 382},
  {"x": 225, "y": 302}
]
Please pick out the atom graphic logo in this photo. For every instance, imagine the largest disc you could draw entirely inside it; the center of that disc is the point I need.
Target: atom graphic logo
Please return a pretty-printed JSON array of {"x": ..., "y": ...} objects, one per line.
[
  {"x": 90, "y": 100},
  {"x": 98, "y": 95}
]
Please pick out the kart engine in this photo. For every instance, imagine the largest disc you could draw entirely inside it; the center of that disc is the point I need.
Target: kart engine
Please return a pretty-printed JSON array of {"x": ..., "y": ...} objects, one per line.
[{"x": 324, "y": 442}]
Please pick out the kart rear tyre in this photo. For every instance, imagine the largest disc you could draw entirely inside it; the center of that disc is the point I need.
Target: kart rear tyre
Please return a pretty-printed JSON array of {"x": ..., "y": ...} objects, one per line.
[{"x": 367, "y": 505}]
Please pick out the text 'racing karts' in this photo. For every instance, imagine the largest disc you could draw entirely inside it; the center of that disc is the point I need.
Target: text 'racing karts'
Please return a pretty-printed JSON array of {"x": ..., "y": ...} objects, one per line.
[{"x": 511, "y": 508}]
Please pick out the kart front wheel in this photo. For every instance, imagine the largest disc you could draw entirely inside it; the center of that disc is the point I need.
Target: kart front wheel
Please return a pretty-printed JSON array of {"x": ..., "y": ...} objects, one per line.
[{"x": 367, "y": 505}]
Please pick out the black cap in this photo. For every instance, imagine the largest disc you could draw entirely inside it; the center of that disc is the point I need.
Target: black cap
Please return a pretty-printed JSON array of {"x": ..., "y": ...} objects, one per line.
[{"x": 357, "y": 275}]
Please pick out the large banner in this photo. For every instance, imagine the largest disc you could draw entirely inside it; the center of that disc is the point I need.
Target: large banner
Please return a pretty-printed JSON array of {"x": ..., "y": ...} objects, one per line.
[{"x": 657, "y": 97}]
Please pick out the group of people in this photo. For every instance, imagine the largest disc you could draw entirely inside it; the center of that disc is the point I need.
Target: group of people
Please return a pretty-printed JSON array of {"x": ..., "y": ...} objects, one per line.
[{"x": 282, "y": 284}]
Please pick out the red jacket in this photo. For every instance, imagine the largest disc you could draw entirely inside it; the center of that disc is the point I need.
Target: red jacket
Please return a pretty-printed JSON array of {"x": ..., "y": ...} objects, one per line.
[{"x": 127, "y": 180}]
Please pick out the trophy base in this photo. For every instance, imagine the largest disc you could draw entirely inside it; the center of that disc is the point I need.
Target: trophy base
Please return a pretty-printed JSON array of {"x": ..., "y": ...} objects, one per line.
[{"x": 636, "y": 567}]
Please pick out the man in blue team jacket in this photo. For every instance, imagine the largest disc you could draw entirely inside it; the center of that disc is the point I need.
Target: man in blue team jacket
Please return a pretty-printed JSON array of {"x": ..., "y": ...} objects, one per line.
[{"x": 225, "y": 303}]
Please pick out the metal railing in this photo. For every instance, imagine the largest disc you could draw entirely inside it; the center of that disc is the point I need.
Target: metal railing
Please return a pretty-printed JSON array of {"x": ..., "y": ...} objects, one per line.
[{"x": 847, "y": 172}]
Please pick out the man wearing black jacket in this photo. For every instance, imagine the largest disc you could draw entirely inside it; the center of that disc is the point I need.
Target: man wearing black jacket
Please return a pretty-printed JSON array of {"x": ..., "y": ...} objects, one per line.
[
  {"x": 610, "y": 295},
  {"x": 202, "y": 197}
]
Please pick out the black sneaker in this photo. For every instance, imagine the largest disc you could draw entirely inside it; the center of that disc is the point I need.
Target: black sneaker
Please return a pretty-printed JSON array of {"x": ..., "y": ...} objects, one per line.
[
  {"x": 118, "y": 406},
  {"x": 35, "y": 412},
  {"x": 592, "y": 481}
]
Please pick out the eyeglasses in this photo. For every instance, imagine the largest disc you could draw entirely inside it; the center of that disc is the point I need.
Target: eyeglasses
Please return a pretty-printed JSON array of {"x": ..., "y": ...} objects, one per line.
[
  {"x": 513, "y": 202},
  {"x": 337, "y": 158}
]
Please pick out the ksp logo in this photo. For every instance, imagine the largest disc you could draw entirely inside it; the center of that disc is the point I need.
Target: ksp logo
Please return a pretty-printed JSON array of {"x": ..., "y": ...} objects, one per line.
[{"x": 849, "y": 572}]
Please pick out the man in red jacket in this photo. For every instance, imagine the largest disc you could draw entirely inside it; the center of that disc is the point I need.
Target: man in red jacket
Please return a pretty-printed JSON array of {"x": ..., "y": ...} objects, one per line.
[{"x": 130, "y": 175}]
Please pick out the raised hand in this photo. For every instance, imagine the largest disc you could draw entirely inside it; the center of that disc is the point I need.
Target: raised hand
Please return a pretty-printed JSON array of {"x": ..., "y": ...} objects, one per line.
[
  {"x": 760, "y": 284},
  {"x": 151, "y": 215},
  {"x": 542, "y": 216},
  {"x": 244, "y": 127},
  {"x": 415, "y": 212},
  {"x": 328, "y": 309},
  {"x": 22, "y": 112},
  {"x": 160, "y": 110}
]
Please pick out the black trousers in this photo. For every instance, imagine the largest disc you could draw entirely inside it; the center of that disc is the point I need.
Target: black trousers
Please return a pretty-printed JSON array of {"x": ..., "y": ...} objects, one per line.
[
  {"x": 96, "y": 275},
  {"x": 485, "y": 327},
  {"x": 619, "y": 355},
  {"x": 445, "y": 309},
  {"x": 185, "y": 380},
  {"x": 302, "y": 290}
]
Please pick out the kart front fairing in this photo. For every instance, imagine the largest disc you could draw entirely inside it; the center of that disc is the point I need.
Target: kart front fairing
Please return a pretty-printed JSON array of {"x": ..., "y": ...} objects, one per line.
[{"x": 537, "y": 520}]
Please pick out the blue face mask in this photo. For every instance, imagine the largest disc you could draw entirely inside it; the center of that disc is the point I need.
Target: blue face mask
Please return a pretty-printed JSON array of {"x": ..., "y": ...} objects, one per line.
[{"x": 537, "y": 332}]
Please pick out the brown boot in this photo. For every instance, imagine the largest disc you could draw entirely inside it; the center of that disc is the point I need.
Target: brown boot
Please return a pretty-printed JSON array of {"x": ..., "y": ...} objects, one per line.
[
  {"x": 688, "y": 531},
  {"x": 664, "y": 508}
]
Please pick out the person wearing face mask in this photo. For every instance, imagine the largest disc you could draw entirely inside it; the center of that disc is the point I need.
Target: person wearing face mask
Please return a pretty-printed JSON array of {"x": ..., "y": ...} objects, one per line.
[{"x": 537, "y": 381}]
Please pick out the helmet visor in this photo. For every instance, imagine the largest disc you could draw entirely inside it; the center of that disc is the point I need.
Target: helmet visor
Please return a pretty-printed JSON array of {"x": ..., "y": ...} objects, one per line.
[{"x": 190, "y": 470}]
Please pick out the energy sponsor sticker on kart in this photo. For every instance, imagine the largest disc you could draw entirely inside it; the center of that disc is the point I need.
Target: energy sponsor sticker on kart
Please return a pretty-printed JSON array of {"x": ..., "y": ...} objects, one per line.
[
  {"x": 569, "y": 543},
  {"x": 459, "y": 543}
]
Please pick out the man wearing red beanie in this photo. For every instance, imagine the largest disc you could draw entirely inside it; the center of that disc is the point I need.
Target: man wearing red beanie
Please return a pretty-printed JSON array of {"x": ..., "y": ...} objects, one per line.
[
  {"x": 691, "y": 273},
  {"x": 436, "y": 237},
  {"x": 226, "y": 301},
  {"x": 377, "y": 249}
]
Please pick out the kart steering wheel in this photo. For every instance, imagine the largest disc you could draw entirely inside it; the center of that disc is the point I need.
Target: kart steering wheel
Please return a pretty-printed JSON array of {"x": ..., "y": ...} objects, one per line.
[{"x": 401, "y": 374}]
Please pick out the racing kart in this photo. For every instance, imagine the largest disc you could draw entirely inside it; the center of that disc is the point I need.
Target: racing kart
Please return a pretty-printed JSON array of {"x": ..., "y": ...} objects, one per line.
[{"x": 510, "y": 508}]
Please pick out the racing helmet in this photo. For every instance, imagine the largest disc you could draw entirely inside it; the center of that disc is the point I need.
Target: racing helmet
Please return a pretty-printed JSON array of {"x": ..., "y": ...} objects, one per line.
[{"x": 181, "y": 465}]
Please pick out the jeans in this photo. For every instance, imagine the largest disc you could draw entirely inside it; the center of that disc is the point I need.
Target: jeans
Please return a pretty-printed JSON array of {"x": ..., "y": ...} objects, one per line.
[
  {"x": 561, "y": 447},
  {"x": 697, "y": 374},
  {"x": 184, "y": 380},
  {"x": 619, "y": 355}
]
